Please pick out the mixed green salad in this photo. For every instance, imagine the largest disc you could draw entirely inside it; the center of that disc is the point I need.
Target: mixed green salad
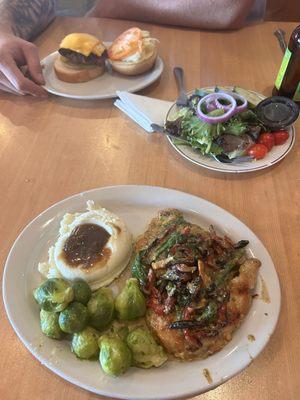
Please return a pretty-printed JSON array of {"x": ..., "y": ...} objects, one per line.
[{"x": 218, "y": 122}]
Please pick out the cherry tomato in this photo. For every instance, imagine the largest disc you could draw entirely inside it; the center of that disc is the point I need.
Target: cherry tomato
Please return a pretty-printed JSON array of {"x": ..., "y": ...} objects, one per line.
[
  {"x": 280, "y": 137},
  {"x": 267, "y": 139},
  {"x": 257, "y": 151}
]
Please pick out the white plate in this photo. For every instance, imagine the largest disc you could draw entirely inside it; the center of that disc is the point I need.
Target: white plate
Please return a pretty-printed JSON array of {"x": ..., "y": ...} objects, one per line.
[
  {"x": 103, "y": 87},
  {"x": 137, "y": 205},
  {"x": 274, "y": 156}
]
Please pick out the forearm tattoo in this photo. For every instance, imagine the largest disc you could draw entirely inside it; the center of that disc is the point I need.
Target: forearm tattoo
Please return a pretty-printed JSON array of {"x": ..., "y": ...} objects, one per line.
[{"x": 27, "y": 18}]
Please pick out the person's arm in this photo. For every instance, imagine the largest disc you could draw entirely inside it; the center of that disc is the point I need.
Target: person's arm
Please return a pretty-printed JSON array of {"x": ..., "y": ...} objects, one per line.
[
  {"x": 21, "y": 20},
  {"x": 203, "y": 14},
  {"x": 26, "y": 18}
]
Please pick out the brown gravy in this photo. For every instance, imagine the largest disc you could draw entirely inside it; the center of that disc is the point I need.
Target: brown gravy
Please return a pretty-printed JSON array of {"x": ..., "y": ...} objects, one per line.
[{"x": 85, "y": 245}]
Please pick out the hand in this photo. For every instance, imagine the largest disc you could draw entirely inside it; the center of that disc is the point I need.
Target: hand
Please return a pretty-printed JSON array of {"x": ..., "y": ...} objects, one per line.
[{"x": 14, "y": 53}]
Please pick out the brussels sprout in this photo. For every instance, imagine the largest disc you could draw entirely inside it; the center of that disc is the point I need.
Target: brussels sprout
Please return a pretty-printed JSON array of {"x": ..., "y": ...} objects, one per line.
[
  {"x": 82, "y": 292},
  {"x": 101, "y": 308},
  {"x": 74, "y": 318},
  {"x": 146, "y": 352},
  {"x": 115, "y": 357},
  {"x": 49, "y": 324},
  {"x": 54, "y": 294},
  {"x": 130, "y": 303},
  {"x": 85, "y": 344},
  {"x": 121, "y": 332}
]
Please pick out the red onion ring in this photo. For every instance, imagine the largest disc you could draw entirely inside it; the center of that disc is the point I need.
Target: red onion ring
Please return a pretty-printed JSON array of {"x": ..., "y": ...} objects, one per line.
[
  {"x": 211, "y": 105},
  {"x": 236, "y": 96},
  {"x": 214, "y": 97}
]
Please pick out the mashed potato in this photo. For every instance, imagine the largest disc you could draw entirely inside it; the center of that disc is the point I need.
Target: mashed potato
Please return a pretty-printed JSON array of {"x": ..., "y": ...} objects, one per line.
[{"x": 106, "y": 263}]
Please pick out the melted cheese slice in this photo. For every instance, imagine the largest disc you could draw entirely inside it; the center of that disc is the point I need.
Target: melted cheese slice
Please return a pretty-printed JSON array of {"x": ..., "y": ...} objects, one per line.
[{"x": 83, "y": 43}]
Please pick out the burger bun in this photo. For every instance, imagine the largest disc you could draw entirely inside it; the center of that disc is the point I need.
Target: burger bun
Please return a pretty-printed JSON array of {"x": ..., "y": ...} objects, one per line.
[
  {"x": 135, "y": 68},
  {"x": 68, "y": 72}
]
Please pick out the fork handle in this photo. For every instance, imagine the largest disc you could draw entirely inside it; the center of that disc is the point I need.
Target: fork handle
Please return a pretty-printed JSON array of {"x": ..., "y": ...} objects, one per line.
[
  {"x": 178, "y": 73},
  {"x": 279, "y": 33}
]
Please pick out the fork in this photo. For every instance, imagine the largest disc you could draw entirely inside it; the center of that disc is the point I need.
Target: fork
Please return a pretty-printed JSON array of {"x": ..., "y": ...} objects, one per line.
[
  {"x": 223, "y": 158},
  {"x": 183, "y": 98},
  {"x": 280, "y": 34},
  {"x": 161, "y": 129}
]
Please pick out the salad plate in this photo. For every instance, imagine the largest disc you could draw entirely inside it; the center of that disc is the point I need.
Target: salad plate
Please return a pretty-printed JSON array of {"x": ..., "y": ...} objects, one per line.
[
  {"x": 276, "y": 154},
  {"x": 103, "y": 87},
  {"x": 137, "y": 205}
]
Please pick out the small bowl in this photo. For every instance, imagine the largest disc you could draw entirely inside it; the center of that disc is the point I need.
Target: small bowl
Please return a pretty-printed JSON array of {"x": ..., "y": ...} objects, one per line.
[{"x": 277, "y": 112}]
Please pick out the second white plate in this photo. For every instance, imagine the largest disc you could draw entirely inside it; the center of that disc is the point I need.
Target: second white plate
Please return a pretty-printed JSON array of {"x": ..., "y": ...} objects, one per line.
[
  {"x": 103, "y": 87},
  {"x": 273, "y": 157}
]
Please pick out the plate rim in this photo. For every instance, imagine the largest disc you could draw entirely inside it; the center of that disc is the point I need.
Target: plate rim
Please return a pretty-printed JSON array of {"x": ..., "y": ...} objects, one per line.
[
  {"x": 102, "y": 392},
  {"x": 50, "y": 89},
  {"x": 234, "y": 170}
]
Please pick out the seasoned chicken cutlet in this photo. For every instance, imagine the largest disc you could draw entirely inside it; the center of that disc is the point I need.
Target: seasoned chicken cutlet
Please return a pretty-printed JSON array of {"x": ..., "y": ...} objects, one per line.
[{"x": 198, "y": 284}]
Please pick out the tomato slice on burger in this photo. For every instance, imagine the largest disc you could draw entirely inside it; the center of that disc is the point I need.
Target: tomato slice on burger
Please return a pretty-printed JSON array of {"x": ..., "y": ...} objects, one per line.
[{"x": 128, "y": 43}]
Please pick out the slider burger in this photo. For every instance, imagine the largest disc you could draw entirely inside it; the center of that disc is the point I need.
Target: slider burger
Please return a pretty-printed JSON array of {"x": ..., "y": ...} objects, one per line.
[
  {"x": 82, "y": 58},
  {"x": 133, "y": 52}
]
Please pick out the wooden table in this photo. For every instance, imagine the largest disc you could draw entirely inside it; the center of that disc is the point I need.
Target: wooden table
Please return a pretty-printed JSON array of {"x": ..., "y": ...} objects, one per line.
[{"x": 54, "y": 148}]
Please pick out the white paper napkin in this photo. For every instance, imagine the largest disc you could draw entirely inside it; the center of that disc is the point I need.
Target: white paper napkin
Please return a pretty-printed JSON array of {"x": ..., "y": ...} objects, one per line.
[{"x": 143, "y": 110}]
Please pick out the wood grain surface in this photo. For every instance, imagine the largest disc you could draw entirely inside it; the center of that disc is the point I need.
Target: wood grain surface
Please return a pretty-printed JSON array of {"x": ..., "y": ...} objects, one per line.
[{"x": 57, "y": 147}]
